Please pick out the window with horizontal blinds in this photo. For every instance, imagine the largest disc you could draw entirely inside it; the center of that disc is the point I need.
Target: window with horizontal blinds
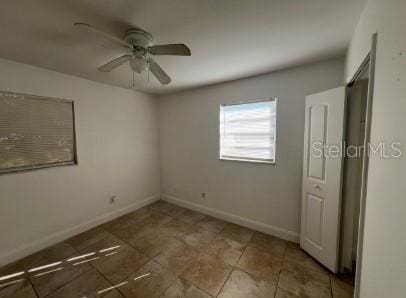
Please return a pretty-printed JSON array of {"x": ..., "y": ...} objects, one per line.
[
  {"x": 248, "y": 131},
  {"x": 35, "y": 132}
]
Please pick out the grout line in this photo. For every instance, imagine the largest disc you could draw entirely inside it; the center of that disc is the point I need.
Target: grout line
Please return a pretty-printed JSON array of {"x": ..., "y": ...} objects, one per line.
[
  {"x": 33, "y": 288},
  {"x": 126, "y": 278},
  {"x": 255, "y": 277},
  {"x": 65, "y": 283},
  {"x": 225, "y": 281},
  {"x": 178, "y": 276},
  {"x": 129, "y": 244},
  {"x": 231, "y": 271},
  {"x": 190, "y": 282},
  {"x": 280, "y": 271},
  {"x": 170, "y": 285},
  {"x": 204, "y": 291},
  {"x": 93, "y": 267},
  {"x": 109, "y": 282},
  {"x": 331, "y": 285},
  {"x": 243, "y": 252}
]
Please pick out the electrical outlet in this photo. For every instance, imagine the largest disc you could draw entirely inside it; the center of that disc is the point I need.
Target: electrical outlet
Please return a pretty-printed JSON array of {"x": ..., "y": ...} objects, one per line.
[
  {"x": 203, "y": 195},
  {"x": 112, "y": 199}
]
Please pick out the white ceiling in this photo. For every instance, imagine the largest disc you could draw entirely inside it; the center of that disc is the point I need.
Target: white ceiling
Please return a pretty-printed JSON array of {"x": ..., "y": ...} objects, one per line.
[{"x": 229, "y": 39}]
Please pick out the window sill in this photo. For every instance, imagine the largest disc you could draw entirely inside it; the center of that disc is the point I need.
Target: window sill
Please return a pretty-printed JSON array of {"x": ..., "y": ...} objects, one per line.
[
  {"x": 272, "y": 162},
  {"x": 39, "y": 167}
]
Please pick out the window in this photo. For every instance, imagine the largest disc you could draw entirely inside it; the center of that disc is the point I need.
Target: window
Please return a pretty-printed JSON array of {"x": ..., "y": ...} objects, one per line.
[
  {"x": 35, "y": 132},
  {"x": 248, "y": 131}
]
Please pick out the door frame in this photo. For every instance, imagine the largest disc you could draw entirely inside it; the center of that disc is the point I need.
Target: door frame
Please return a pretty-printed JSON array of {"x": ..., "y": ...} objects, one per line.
[{"x": 370, "y": 60}]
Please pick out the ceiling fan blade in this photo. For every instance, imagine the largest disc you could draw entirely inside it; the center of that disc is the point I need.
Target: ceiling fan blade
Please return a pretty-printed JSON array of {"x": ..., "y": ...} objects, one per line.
[
  {"x": 109, "y": 66},
  {"x": 91, "y": 29},
  {"x": 158, "y": 72},
  {"x": 178, "y": 49}
]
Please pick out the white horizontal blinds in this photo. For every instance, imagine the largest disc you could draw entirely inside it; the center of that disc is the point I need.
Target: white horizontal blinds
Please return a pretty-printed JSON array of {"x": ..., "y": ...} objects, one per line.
[
  {"x": 247, "y": 131},
  {"x": 35, "y": 132}
]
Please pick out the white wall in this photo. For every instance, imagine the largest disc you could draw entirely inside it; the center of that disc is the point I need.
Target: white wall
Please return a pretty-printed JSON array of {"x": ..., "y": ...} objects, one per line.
[
  {"x": 384, "y": 267},
  {"x": 267, "y": 194},
  {"x": 118, "y": 145}
]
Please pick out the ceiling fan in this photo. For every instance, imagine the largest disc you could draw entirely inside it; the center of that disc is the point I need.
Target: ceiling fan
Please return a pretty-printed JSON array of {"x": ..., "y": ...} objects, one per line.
[{"x": 140, "y": 44}]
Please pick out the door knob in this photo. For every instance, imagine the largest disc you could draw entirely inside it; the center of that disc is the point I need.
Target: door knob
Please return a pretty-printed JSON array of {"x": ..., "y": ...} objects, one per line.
[{"x": 316, "y": 186}]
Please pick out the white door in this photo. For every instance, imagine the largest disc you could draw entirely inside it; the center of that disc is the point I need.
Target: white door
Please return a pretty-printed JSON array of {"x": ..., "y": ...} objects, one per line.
[{"x": 322, "y": 165}]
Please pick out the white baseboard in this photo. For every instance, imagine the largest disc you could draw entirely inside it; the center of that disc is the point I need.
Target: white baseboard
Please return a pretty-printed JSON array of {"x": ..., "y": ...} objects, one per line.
[
  {"x": 54, "y": 238},
  {"x": 245, "y": 222}
]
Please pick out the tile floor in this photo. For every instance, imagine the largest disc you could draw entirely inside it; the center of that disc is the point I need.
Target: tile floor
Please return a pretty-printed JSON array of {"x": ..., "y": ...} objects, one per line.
[{"x": 163, "y": 250}]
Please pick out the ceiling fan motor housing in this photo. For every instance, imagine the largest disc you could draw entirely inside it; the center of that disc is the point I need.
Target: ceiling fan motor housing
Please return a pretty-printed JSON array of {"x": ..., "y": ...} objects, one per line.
[{"x": 138, "y": 38}]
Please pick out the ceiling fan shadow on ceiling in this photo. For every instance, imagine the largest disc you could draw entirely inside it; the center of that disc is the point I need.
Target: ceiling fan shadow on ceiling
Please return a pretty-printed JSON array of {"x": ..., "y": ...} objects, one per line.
[{"x": 140, "y": 44}]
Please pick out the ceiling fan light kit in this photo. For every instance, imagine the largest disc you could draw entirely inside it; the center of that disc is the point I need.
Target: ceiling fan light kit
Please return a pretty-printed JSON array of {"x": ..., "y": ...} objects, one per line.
[
  {"x": 140, "y": 44},
  {"x": 139, "y": 65}
]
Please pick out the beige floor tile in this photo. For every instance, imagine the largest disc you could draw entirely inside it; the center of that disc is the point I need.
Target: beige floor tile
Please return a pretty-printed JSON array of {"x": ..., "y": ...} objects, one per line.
[
  {"x": 13, "y": 268},
  {"x": 281, "y": 293},
  {"x": 146, "y": 227},
  {"x": 225, "y": 249},
  {"x": 196, "y": 237},
  {"x": 123, "y": 227},
  {"x": 242, "y": 285},
  {"x": 112, "y": 294},
  {"x": 89, "y": 284},
  {"x": 190, "y": 216},
  {"x": 341, "y": 287},
  {"x": 153, "y": 280},
  {"x": 176, "y": 226},
  {"x": 118, "y": 222},
  {"x": 269, "y": 244},
  {"x": 260, "y": 264},
  {"x": 117, "y": 265},
  {"x": 140, "y": 214},
  {"x": 51, "y": 280},
  {"x": 237, "y": 233},
  {"x": 176, "y": 256},
  {"x": 16, "y": 287},
  {"x": 48, "y": 279},
  {"x": 167, "y": 208},
  {"x": 173, "y": 210},
  {"x": 303, "y": 282},
  {"x": 183, "y": 289},
  {"x": 207, "y": 273},
  {"x": 151, "y": 240},
  {"x": 160, "y": 205},
  {"x": 88, "y": 238},
  {"x": 294, "y": 253},
  {"x": 93, "y": 240},
  {"x": 27, "y": 292},
  {"x": 13, "y": 280},
  {"x": 212, "y": 224},
  {"x": 155, "y": 219},
  {"x": 154, "y": 224},
  {"x": 151, "y": 244},
  {"x": 52, "y": 254}
]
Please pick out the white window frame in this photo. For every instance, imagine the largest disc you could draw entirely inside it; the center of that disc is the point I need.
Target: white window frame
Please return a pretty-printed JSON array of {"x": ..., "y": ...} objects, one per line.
[{"x": 245, "y": 159}]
